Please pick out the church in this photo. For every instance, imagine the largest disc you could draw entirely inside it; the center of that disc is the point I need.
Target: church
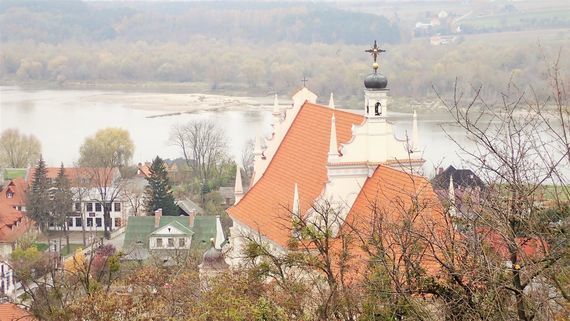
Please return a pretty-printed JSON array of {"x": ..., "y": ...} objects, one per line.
[{"x": 350, "y": 159}]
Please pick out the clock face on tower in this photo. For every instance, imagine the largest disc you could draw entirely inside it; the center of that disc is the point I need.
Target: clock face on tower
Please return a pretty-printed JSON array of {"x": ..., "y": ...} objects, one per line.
[{"x": 378, "y": 109}]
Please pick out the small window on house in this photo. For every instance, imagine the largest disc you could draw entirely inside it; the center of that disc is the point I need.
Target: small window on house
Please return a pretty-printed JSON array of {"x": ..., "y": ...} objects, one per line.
[
  {"x": 89, "y": 221},
  {"x": 170, "y": 242},
  {"x": 158, "y": 242},
  {"x": 99, "y": 222},
  {"x": 118, "y": 222},
  {"x": 89, "y": 207},
  {"x": 117, "y": 207},
  {"x": 97, "y": 207},
  {"x": 78, "y": 221},
  {"x": 181, "y": 242},
  {"x": 70, "y": 222},
  {"x": 108, "y": 207},
  {"x": 77, "y": 207},
  {"x": 9, "y": 195}
]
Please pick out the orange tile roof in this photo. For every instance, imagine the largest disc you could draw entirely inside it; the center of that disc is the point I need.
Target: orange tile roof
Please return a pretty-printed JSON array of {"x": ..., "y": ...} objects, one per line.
[
  {"x": 77, "y": 174},
  {"x": 388, "y": 195},
  {"x": 11, "y": 312},
  {"x": 144, "y": 170},
  {"x": 529, "y": 247},
  {"x": 301, "y": 158},
  {"x": 16, "y": 186},
  {"x": 13, "y": 223}
]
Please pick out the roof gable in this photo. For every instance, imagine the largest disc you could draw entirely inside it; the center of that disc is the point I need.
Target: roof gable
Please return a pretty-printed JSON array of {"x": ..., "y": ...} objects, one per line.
[
  {"x": 301, "y": 158},
  {"x": 172, "y": 228},
  {"x": 17, "y": 189},
  {"x": 461, "y": 178}
]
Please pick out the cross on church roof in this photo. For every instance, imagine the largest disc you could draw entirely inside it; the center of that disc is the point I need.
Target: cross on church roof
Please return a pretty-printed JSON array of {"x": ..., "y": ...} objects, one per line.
[
  {"x": 375, "y": 51},
  {"x": 304, "y": 80}
]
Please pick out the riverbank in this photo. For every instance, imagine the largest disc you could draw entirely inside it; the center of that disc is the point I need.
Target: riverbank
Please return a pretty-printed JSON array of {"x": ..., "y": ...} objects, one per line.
[{"x": 171, "y": 98}]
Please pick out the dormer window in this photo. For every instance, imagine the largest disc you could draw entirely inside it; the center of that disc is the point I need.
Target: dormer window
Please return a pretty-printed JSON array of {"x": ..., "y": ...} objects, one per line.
[{"x": 9, "y": 194}]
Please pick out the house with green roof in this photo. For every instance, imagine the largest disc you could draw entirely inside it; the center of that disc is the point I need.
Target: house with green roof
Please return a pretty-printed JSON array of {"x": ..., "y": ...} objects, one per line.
[
  {"x": 164, "y": 235},
  {"x": 13, "y": 173}
]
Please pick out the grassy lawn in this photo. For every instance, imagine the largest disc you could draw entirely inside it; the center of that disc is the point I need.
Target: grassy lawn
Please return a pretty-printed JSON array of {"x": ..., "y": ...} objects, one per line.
[
  {"x": 65, "y": 251},
  {"x": 41, "y": 246},
  {"x": 71, "y": 249}
]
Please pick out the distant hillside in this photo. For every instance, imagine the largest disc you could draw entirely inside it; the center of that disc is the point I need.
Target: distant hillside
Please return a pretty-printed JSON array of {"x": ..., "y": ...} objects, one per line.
[{"x": 60, "y": 21}]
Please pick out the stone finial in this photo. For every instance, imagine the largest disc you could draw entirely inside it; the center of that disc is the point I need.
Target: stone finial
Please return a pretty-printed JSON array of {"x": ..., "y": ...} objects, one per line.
[
  {"x": 238, "y": 188},
  {"x": 333, "y": 145},
  {"x": 451, "y": 195},
  {"x": 220, "y": 238},
  {"x": 296, "y": 210},
  {"x": 415, "y": 134},
  {"x": 257, "y": 151},
  {"x": 331, "y": 101}
]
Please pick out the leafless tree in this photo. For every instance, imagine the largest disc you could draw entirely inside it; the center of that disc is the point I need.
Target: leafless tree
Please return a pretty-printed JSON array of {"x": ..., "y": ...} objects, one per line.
[
  {"x": 247, "y": 158},
  {"x": 519, "y": 155},
  {"x": 133, "y": 192},
  {"x": 202, "y": 144}
]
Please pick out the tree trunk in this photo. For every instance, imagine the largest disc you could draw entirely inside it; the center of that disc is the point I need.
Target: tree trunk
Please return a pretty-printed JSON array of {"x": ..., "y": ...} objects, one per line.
[
  {"x": 66, "y": 232},
  {"x": 107, "y": 222},
  {"x": 83, "y": 231}
]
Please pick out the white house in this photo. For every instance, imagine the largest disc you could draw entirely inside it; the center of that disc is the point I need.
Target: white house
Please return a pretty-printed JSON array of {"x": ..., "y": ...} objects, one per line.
[{"x": 93, "y": 189}]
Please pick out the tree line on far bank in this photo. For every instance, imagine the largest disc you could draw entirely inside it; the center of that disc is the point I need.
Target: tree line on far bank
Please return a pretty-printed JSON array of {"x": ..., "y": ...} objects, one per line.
[{"x": 214, "y": 66}]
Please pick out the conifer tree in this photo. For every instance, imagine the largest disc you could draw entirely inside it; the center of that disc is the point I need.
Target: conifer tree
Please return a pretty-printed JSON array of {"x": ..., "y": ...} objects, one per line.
[
  {"x": 62, "y": 201},
  {"x": 158, "y": 193},
  {"x": 38, "y": 199}
]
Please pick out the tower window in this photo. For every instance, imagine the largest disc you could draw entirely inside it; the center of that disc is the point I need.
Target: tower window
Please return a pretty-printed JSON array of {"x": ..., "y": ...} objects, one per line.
[{"x": 377, "y": 109}]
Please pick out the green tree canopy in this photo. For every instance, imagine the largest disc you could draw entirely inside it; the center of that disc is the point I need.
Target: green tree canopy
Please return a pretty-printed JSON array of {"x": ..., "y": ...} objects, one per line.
[
  {"x": 18, "y": 150},
  {"x": 38, "y": 200},
  {"x": 158, "y": 193},
  {"x": 109, "y": 147},
  {"x": 61, "y": 201}
]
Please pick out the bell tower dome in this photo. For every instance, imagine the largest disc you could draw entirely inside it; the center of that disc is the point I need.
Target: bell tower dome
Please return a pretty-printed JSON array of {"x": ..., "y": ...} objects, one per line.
[{"x": 376, "y": 91}]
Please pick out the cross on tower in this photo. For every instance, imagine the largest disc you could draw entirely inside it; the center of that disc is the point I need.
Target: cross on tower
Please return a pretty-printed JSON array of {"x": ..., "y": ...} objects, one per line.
[
  {"x": 375, "y": 51},
  {"x": 304, "y": 80}
]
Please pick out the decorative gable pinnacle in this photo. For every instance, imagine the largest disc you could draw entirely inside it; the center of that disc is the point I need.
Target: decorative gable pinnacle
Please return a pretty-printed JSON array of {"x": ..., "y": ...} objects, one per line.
[
  {"x": 238, "y": 188},
  {"x": 331, "y": 101},
  {"x": 333, "y": 145},
  {"x": 257, "y": 151},
  {"x": 451, "y": 195},
  {"x": 415, "y": 134},
  {"x": 296, "y": 210}
]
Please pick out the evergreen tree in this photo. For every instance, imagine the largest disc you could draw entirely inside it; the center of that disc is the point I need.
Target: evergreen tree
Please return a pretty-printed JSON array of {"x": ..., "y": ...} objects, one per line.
[
  {"x": 158, "y": 193},
  {"x": 38, "y": 200},
  {"x": 62, "y": 201}
]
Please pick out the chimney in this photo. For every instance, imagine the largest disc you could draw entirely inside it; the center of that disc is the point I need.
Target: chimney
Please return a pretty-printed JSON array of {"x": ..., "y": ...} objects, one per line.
[
  {"x": 157, "y": 216},
  {"x": 191, "y": 216},
  {"x": 439, "y": 170}
]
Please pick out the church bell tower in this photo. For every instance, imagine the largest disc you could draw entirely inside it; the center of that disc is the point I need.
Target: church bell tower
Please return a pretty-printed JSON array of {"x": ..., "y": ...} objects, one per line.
[{"x": 375, "y": 92}]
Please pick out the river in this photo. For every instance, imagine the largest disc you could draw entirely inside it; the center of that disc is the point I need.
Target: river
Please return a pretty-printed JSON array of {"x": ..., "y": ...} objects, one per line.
[{"x": 62, "y": 119}]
